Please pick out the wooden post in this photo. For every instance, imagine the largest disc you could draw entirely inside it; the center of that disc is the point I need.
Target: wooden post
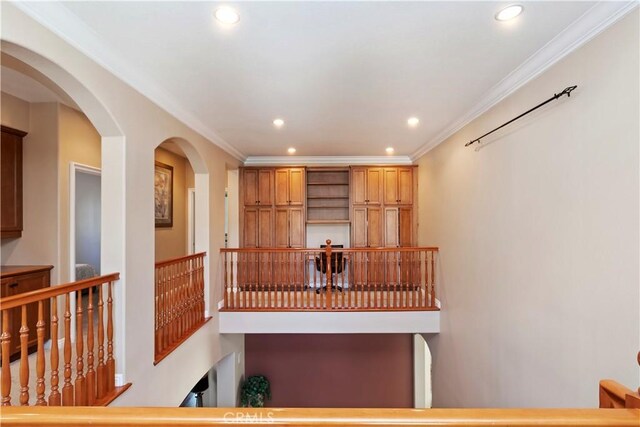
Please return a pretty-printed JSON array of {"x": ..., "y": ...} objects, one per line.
[
  {"x": 40, "y": 401},
  {"x": 54, "y": 396},
  {"x": 24, "y": 359},
  {"x": 329, "y": 278},
  {"x": 5, "y": 343}
]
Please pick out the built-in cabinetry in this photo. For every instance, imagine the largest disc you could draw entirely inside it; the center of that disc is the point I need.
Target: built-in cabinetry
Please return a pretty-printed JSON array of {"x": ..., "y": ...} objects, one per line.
[
  {"x": 16, "y": 280},
  {"x": 382, "y": 206},
  {"x": 272, "y": 214},
  {"x": 11, "y": 179}
]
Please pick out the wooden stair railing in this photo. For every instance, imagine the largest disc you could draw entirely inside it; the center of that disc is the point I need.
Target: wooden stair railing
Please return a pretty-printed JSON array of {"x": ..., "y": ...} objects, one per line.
[
  {"x": 94, "y": 382},
  {"x": 179, "y": 302},
  {"x": 172, "y": 417},
  {"x": 329, "y": 279},
  {"x": 615, "y": 395}
]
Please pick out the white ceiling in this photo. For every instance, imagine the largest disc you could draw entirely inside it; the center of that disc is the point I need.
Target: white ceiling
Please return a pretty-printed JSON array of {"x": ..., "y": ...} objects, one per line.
[{"x": 345, "y": 76}]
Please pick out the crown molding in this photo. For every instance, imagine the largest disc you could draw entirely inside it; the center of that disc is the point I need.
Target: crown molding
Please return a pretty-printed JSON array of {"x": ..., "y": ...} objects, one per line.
[
  {"x": 595, "y": 20},
  {"x": 326, "y": 160},
  {"x": 65, "y": 24}
]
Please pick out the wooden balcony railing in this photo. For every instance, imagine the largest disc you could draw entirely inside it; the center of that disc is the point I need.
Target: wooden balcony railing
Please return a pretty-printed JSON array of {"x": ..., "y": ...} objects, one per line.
[
  {"x": 90, "y": 384},
  {"x": 335, "y": 279},
  {"x": 179, "y": 302},
  {"x": 195, "y": 417},
  {"x": 615, "y": 395}
]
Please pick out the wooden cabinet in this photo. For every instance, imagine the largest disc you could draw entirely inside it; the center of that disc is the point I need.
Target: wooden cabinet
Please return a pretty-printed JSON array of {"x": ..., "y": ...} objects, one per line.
[
  {"x": 398, "y": 226},
  {"x": 366, "y": 227},
  {"x": 16, "y": 280},
  {"x": 328, "y": 195},
  {"x": 11, "y": 183},
  {"x": 290, "y": 187},
  {"x": 257, "y": 187},
  {"x": 289, "y": 229},
  {"x": 257, "y": 227},
  {"x": 366, "y": 184},
  {"x": 398, "y": 186}
]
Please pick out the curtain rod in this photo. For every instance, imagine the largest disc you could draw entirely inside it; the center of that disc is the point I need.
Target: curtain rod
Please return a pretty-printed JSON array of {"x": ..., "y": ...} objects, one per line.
[{"x": 567, "y": 91}]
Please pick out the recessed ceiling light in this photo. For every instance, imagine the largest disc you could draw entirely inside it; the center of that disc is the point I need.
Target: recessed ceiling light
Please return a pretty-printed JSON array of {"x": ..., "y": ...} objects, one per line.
[
  {"x": 278, "y": 123},
  {"x": 389, "y": 150},
  {"x": 413, "y": 121},
  {"x": 226, "y": 15},
  {"x": 291, "y": 150},
  {"x": 509, "y": 12}
]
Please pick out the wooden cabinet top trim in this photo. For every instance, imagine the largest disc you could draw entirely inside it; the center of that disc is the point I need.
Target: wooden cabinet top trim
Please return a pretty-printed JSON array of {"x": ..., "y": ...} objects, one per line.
[
  {"x": 13, "y": 131},
  {"x": 18, "y": 270}
]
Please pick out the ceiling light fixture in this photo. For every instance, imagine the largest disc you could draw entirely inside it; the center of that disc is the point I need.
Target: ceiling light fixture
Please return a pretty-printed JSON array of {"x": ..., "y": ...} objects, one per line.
[
  {"x": 278, "y": 123},
  {"x": 509, "y": 12},
  {"x": 389, "y": 150},
  {"x": 226, "y": 15},
  {"x": 413, "y": 121},
  {"x": 291, "y": 150}
]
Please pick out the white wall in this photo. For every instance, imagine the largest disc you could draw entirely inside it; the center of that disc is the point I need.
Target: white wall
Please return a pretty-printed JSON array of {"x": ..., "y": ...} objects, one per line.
[
  {"x": 538, "y": 233},
  {"x": 87, "y": 217},
  {"x": 131, "y": 127},
  {"x": 317, "y": 234}
]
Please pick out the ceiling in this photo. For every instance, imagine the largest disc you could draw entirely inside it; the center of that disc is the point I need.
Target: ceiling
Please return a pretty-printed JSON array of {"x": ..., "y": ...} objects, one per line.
[{"x": 345, "y": 76}]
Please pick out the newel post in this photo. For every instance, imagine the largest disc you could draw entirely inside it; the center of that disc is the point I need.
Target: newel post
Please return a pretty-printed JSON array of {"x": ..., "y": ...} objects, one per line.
[{"x": 329, "y": 275}]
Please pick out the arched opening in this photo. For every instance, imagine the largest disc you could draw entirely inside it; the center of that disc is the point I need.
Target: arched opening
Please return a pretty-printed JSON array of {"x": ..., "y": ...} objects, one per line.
[
  {"x": 181, "y": 216},
  {"x": 75, "y": 133}
]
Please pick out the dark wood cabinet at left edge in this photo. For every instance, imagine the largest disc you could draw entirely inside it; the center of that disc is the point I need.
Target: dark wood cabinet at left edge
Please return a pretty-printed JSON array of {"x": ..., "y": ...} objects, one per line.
[{"x": 11, "y": 183}]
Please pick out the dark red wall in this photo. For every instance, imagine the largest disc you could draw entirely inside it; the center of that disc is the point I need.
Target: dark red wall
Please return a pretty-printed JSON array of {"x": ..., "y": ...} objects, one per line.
[{"x": 334, "y": 371}]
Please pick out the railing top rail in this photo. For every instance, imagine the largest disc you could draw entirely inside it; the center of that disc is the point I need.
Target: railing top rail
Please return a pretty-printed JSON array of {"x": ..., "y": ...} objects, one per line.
[
  {"x": 54, "y": 291},
  {"x": 119, "y": 416},
  {"x": 178, "y": 259},
  {"x": 333, "y": 249}
]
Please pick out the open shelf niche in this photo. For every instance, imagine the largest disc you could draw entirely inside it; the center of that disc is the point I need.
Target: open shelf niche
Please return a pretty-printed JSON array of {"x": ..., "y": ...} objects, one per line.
[{"x": 328, "y": 196}]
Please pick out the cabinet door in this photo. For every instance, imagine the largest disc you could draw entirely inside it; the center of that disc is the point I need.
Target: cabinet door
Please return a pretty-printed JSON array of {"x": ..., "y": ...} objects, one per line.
[
  {"x": 265, "y": 228},
  {"x": 282, "y": 187},
  {"x": 11, "y": 178},
  {"x": 296, "y": 228},
  {"x": 282, "y": 226},
  {"x": 359, "y": 227},
  {"x": 391, "y": 238},
  {"x": 358, "y": 186},
  {"x": 374, "y": 186},
  {"x": 374, "y": 227},
  {"x": 250, "y": 186},
  {"x": 405, "y": 227},
  {"x": 390, "y": 186},
  {"x": 405, "y": 186},
  {"x": 296, "y": 186},
  {"x": 250, "y": 228},
  {"x": 265, "y": 187}
]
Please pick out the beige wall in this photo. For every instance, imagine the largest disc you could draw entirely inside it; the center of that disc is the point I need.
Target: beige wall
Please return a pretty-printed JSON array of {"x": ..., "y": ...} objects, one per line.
[
  {"x": 39, "y": 241},
  {"x": 538, "y": 234},
  {"x": 171, "y": 242},
  {"x": 14, "y": 112},
  {"x": 80, "y": 143}
]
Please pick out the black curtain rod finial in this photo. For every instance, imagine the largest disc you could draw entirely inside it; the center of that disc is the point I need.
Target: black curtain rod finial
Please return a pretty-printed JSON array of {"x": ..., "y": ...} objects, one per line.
[{"x": 567, "y": 91}]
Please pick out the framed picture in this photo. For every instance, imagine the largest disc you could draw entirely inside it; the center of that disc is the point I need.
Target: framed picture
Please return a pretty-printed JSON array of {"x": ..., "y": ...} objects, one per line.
[{"x": 163, "y": 192}]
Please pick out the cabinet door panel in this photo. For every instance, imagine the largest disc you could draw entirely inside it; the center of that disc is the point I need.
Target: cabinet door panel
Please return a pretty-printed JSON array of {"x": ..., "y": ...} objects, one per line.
[
  {"x": 405, "y": 227},
  {"x": 405, "y": 186},
  {"x": 296, "y": 186},
  {"x": 250, "y": 186},
  {"x": 374, "y": 186},
  {"x": 11, "y": 181},
  {"x": 296, "y": 227},
  {"x": 391, "y": 227},
  {"x": 282, "y": 187},
  {"x": 250, "y": 228},
  {"x": 265, "y": 228},
  {"x": 374, "y": 227},
  {"x": 282, "y": 227},
  {"x": 390, "y": 186},
  {"x": 358, "y": 186},
  {"x": 359, "y": 224},
  {"x": 265, "y": 187}
]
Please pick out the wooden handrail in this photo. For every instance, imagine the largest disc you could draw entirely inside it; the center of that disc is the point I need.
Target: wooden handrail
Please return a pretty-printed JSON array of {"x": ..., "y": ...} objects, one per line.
[
  {"x": 333, "y": 249},
  {"x": 54, "y": 291},
  {"x": 615, "y": 395},
  {"x": 170, "y": 417},
  {"x": 178, "y": 259}
]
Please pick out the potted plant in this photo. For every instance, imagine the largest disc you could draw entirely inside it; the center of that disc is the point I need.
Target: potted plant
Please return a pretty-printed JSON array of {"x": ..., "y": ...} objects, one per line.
[{"x": 255, "y": 391}]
